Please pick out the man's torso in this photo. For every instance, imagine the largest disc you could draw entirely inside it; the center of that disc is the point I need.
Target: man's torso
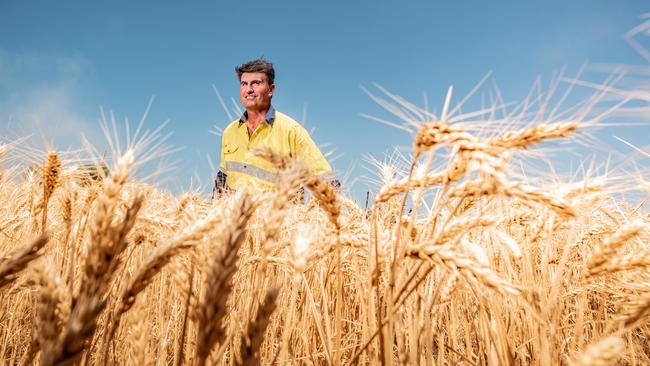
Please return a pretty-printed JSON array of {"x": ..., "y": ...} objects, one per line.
[{"x": 238, "y": 150}]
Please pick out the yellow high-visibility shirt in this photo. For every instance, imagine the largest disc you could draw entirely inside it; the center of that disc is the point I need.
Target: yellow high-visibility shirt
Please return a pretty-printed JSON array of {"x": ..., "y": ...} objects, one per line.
[{"x": 277, "y": 132}]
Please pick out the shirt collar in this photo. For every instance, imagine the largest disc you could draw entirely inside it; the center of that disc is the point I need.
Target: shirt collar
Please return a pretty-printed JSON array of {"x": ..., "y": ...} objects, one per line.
[{"x": 269, "y": 117}]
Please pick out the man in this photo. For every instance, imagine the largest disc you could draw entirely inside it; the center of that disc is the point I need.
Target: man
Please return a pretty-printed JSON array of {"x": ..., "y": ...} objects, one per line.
[{"x": 262, "y": 126}]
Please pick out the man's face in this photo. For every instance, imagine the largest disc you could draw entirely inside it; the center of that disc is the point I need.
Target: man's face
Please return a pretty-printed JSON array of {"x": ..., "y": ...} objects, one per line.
[{"x": 255, "y": 91}]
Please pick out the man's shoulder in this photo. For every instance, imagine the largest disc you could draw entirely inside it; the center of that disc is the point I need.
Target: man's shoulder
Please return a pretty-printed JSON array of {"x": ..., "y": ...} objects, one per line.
[
  {"x": 231, "y": 126},
  {"x": 285, "y": 121}
]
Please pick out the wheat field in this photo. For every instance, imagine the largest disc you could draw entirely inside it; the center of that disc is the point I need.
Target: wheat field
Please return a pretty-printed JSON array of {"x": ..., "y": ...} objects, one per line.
[{"x": 466, "y": 262}]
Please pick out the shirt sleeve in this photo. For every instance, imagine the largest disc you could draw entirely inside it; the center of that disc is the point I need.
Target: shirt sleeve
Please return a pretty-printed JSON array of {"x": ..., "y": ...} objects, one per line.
[
  {"x": 222, "y": 162},
  {"x": 308, "y": 153}
]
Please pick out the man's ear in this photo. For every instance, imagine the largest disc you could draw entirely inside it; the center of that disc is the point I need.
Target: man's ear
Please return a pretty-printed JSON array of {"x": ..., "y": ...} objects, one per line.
[{"x": 272, "y": 89}]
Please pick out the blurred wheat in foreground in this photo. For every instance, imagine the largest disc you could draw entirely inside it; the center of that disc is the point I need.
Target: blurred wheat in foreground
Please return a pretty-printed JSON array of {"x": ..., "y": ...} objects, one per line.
[{"x": 464, "y": 262}]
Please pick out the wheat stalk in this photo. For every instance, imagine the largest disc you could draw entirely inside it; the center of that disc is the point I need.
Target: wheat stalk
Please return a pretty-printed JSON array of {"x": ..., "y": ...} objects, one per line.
[
  {"x": 108, "y": 242},
  {"x": 602, "y": 253},
  {"x": 211, "y": 309},
  {"x": 16, "y": 261},
  {"x": 601, "y": 353},
  {"x": 52, "y": 308},
  {"x": 255, "y": 330},
  {"x": 51, "y": 177}
]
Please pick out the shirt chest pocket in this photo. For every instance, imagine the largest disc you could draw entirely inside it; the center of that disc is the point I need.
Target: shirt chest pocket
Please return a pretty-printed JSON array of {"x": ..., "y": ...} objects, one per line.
[{"x": 229, "y": 149}]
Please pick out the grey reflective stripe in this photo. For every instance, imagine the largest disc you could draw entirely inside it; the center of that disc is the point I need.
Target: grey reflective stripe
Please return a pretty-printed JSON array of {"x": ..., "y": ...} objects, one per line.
[{"x": 253, "y": 171}]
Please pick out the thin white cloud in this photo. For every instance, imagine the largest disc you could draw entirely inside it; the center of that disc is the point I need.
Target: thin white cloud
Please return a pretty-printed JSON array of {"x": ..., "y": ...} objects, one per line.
[{"x": 40, "y": 96}]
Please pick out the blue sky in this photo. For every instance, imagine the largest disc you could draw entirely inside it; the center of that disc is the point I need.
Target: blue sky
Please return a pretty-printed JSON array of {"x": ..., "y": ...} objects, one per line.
[{"x": 61, "y": 61}]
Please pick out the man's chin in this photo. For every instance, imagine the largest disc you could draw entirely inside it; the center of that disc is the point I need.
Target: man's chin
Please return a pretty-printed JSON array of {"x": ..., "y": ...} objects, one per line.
[{"x": 253, "y": 106}]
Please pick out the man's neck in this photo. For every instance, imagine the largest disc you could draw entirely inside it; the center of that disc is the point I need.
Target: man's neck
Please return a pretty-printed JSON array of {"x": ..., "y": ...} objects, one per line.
[{"x": 254, "y": 118}]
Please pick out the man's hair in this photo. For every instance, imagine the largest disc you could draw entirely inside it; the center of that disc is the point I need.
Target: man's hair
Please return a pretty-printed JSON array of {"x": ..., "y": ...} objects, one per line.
[{"x": 259, "y": 65}]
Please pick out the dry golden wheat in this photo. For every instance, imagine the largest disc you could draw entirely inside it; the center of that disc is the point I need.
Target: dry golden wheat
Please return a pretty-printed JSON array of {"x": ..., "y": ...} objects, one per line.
[{"x": 459, "y": 260}]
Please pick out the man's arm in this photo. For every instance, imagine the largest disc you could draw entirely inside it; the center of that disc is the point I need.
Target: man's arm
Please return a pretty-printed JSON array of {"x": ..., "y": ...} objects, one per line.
[
  {"x": 219, "y": 184},
  {"x": 313, "y": 158},
  {"x": 220, "y": 180}
]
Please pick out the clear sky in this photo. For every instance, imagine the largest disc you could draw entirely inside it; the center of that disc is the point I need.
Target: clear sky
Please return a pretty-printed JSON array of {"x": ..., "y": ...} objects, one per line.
[{"x": 60, "y": 61}]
